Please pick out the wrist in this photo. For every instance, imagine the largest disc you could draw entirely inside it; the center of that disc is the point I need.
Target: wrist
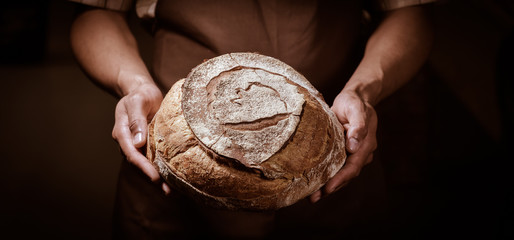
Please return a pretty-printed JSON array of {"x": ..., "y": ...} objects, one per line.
[
  {"x": 128, "y": 83},
  {"x": 367, "y": 86}
]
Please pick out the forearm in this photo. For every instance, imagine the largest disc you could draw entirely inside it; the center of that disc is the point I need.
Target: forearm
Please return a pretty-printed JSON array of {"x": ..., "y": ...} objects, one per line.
[
  {"x": 394, "y": 54},
  {"x": 107, "y": 51}
]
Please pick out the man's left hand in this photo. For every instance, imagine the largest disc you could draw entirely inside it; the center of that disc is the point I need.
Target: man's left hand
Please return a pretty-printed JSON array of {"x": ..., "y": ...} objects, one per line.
[{"x": 359, "y": 120}]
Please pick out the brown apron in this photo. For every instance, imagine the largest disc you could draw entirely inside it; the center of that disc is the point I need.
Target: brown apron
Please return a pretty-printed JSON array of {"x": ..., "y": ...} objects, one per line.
[{"x": 322, "y": 40}]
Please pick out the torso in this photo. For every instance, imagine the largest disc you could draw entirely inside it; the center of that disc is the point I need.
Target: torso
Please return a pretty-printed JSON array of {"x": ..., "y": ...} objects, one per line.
[{"x": 320, "y": 39}]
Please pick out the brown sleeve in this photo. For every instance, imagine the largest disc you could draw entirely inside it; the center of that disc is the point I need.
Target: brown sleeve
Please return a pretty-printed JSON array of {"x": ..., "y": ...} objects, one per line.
[
  {"x": 386, "y": 5},
  {"x": 117, "y": 5}
]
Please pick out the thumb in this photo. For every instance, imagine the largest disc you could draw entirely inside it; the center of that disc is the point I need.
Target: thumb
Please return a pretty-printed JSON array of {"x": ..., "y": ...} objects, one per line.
[
  {"x": 356, "y": 127},
  {"x": 138, "y": 127}
]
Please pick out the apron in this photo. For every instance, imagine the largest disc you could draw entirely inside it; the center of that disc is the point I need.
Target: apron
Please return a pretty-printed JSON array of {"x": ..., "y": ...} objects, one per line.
[{"x": 320, "y": 39}]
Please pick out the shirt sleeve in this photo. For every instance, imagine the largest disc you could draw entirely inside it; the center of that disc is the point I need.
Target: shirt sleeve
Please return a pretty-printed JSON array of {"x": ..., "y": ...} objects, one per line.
[
  {"x": 144, "y": 8},
  {"x": 386, "y": 5},
  {"x": 117, "y": 5}
]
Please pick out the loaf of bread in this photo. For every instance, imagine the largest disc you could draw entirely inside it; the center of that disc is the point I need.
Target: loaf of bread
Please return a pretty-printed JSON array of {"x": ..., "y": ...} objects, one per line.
[{"x": 245, "y": 131}]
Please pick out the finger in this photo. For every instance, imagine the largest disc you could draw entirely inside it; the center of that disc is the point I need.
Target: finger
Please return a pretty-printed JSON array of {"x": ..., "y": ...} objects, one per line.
[
  {"x": 357, "y": 126},
  {"x": 340, "y": 186},
  {"x": 352, "y": 112},
  {"x": 166, "y": 189},
  {"x": 349, "y": 171},
  {"x": 137, "y": 120},
  {"x": 122, "y": 134},
  {"x": 316, "y": 196},
  {"x": 135, "y": 157},
  {"x": 338, "y": 109},
  {"x": 352, "y": 167}
]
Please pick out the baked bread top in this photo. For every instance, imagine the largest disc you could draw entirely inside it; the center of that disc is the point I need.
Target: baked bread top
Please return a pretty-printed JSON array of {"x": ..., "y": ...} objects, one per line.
[{"x": 245, "y": 131}]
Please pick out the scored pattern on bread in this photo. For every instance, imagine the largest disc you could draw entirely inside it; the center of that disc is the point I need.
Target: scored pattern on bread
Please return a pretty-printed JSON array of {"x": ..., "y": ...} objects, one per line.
[
  {"x": 245, "y": 131},
  {"x": 243, "y": 113}
]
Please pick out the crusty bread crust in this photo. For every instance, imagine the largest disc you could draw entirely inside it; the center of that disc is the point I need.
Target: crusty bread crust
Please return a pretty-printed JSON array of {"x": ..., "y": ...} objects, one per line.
[{"x": 245, "y": 131}]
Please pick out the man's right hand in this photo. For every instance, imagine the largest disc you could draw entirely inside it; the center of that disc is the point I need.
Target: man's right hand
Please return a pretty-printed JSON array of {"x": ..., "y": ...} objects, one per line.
[
  {"x": 132, "y": 114},
  {"x": 107, "y": 51}
]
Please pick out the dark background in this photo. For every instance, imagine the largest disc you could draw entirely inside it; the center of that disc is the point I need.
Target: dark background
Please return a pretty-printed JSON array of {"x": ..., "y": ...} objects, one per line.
[{"x": 453, "y": 131}]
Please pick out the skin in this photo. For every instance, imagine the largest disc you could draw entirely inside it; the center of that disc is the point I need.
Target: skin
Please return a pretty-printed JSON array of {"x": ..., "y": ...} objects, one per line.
[
  {"x": 394, "y": 53},
  {"x": 107, "y": 51}
]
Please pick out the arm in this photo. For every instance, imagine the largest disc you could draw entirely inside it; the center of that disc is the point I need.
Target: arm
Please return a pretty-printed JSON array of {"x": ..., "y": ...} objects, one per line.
[
  {"x": 394, "y": 53},
  {"x": 107, "y": 51}
]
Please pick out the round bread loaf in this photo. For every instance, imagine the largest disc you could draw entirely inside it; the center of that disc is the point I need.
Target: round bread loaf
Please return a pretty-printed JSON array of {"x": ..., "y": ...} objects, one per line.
[{"x": 245, "y": 131}]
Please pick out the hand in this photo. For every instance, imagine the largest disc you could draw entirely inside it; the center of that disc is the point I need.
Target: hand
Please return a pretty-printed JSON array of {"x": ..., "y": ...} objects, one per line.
[
  {"x": 132, "y": 114},
  {"x": 359, "y": 120}
]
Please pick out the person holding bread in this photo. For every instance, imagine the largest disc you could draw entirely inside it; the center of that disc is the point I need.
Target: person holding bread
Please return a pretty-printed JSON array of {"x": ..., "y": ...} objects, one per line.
[{"x": 355, "y": 53}]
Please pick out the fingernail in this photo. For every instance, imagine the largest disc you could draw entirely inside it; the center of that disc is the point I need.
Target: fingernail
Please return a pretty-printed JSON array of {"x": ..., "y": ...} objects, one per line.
[
  {"x": 316, "y": 197},
  {"x": 166, "y": 189},
  {"x": 138, "y": 138},
  {"x": 353, "y": 144}
]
